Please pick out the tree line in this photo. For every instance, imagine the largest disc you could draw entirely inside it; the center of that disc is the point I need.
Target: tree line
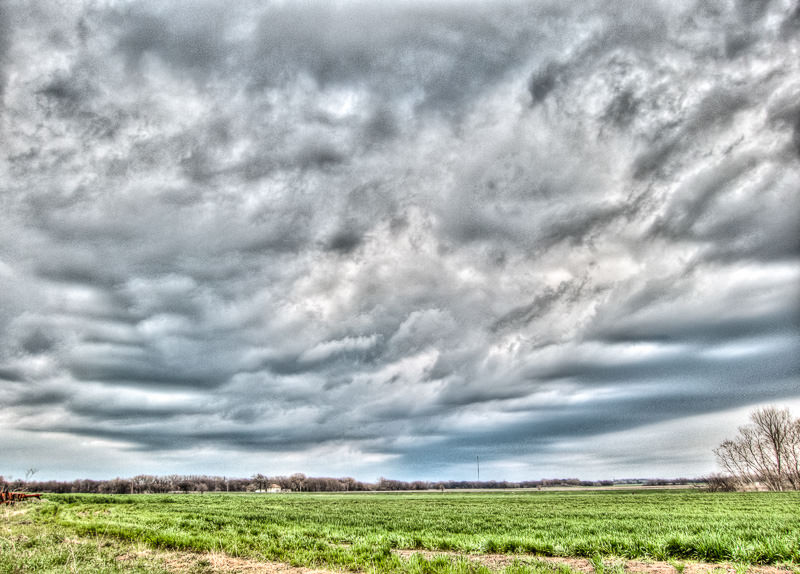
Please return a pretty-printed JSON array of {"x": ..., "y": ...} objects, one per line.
[
  {"x": 143, "y": 483},
  {"x": 298, "y": 482}
]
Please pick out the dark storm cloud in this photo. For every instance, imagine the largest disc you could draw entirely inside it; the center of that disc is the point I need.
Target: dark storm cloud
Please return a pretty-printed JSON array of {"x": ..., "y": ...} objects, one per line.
[
  {"x": 11, "y": 374},
  {"x": 783, "y": 322},
  {"x": 154, "y": 439},
  {"x": 622, "y": 109},
  {"x": 543, "y": 82},
  {"x": 535, "y": 309},
  {"x": 105, "y": 412},
  {"x": 339, "y": 354},
  {"x": 81, "y": 269},
  {"x": 791, "y": 25},
  {"x": 345, "y": 241},
  {"x": 409, "y": 232},
  {"x": 796, "y": 135},
  {"x": 738, "y": 41},
  {"x": 37, "y": 342},
  {"x": 738, "y": 373},
  {"x": 38, "y": 398},
  {"x": 603, "y": 416},
  {"x": 132, "y": 370},
  {"x": 64, "y": 93}
]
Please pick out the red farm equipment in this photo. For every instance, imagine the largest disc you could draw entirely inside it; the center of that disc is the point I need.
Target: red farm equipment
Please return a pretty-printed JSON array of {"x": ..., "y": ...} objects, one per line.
[{"x": 9, "y": 497}]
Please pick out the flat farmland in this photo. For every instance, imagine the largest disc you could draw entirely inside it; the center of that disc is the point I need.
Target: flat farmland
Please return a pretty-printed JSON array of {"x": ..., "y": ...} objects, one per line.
[{"x": 375, "y": 532}]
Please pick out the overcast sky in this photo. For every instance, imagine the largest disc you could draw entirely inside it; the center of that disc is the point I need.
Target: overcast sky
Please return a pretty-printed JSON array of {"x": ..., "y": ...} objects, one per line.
[{"x": 384, "y": 238}]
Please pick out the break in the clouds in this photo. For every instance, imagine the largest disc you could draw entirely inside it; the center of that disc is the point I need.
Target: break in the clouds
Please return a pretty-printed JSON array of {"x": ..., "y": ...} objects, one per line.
[{"x": 384, "y": 238}]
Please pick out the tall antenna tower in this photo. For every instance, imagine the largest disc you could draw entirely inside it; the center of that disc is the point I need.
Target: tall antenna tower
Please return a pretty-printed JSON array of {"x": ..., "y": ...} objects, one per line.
[{"x": 478, "y": 458}]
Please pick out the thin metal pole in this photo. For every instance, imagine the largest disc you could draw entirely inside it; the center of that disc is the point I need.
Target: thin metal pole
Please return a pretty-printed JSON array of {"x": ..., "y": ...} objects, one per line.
[{"x": 479, "y": 467}]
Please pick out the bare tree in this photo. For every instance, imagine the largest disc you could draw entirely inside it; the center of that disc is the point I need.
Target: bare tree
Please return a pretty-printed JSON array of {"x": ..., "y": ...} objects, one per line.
[
  {"x": 298, "y": 482},
  {"x": 767, "y": 451},
  {"x": 259, "y": 482},
  {"x": 792, "y": 455}
]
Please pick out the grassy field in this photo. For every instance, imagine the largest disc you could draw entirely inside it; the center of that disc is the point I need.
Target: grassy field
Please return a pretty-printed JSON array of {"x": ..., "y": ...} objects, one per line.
[{"x": 360, "y": 531}]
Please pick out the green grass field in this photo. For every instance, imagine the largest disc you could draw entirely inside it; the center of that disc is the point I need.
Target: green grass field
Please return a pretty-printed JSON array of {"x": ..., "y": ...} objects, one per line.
[{"x": 359, "y": 531}]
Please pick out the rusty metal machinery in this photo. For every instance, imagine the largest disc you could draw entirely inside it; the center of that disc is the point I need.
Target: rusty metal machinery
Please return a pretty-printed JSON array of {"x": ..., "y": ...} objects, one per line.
[{"x": 9, "y": 497}]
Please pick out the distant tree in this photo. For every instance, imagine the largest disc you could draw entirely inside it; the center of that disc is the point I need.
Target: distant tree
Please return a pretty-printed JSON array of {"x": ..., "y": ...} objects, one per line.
[
  {"x": 766, "y": 451},
  {"x": 259, "y": 482},
  {"x": 297, "y": 482}
]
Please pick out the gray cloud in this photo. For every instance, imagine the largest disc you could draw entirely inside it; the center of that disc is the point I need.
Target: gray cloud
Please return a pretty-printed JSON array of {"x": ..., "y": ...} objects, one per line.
[
  {"x": 188, "y": 39},
  {"x": 137, "y": 367},
  {"x": 5, "y": 42},
  {"x": 398, "y": 233},
  {"x": 37, "y": 342},
  {"x": 791, "y": 24},
  {"x": 622, "y": 109},
  {"x": 543, "y": 81},
  {"x": 796, "y": 135},
  {"x": 11, "y": 374},
  {"x": 541, "y": 303}
]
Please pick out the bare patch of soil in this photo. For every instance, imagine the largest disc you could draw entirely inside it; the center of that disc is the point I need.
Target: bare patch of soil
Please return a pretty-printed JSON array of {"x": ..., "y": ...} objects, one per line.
[
  {"x": 183, "y": 562},
  {"x": 220, "y": 563},
  {"x": 500, "y": 561}
]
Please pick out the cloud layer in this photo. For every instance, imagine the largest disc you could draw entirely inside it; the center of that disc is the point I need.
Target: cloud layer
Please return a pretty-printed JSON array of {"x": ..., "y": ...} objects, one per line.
[{"x": 364, "y": 238}]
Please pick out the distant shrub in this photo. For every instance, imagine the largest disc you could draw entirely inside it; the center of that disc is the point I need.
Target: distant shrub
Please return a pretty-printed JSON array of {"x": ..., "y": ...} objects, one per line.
[{"x": 721, "y": 483}]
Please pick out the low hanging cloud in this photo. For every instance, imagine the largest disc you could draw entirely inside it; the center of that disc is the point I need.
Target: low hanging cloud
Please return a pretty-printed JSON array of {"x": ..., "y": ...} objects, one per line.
[{"x": 382, "y": 239}]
